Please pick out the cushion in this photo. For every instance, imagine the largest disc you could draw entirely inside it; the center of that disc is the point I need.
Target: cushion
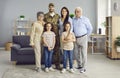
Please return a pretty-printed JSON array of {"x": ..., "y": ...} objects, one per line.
[
  {"x": 22, "y": 40},
  {"x": 27, "y": 51}
]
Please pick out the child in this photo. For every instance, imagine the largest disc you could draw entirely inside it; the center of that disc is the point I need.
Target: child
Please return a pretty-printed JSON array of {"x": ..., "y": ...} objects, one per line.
[
  {"x": 35, "y": 39},
  {"x": 67, "y": 39},
  {"x": 49, "y": 43}
]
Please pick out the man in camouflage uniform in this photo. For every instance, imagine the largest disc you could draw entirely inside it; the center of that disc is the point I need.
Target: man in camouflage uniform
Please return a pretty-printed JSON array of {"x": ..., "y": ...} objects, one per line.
[{"x": 53, "y": 18}]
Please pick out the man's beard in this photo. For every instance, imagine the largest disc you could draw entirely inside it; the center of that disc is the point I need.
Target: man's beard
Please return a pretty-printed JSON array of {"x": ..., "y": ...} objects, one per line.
[{"x": 51, "y": 11}]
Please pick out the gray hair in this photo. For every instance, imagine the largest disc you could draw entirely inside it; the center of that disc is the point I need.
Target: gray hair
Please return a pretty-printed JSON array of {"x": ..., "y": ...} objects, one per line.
[
  {"x": 40, "y": 13},
  {"x": 78, "y": 8}
]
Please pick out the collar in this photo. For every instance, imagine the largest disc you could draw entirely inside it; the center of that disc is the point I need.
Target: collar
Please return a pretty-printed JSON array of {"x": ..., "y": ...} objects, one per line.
[
  {"x": 52, "y": 14},
  {"x": 79, "y": 17}
]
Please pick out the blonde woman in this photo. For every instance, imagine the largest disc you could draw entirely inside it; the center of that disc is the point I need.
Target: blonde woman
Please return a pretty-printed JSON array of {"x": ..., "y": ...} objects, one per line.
[{"x": 35, "y": 39}]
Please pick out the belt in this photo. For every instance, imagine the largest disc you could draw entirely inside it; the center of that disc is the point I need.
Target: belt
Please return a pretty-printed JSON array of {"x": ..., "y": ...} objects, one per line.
[{"x": 80, "y": 36}]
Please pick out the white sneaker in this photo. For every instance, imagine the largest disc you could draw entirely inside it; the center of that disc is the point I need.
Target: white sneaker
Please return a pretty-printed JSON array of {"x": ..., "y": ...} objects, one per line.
[
  {"x": 82, "y": 70},
  {"x": 51, "y": 69},
  {"x": 71, "y": 71},
  {"x": 46, "y": 70},
  {"x": 63, "y": 71},
  {"x": 74, "y": 69},
  {"x": 38, "y": 69}
]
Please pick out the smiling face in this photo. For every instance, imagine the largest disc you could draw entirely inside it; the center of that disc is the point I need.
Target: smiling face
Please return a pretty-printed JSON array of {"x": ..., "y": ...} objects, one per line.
[
  {"x": 51, "y": 9},
  {"x": 48, "y": 27},
  {"x": 67, "y": 27},
  {"x": 78, "y": 12},
  {"x": 64, "y": 12},
  {"x": 40, "y": 17}
]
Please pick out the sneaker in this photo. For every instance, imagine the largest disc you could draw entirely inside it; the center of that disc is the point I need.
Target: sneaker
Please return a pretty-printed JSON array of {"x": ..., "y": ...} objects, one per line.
[
  {"x": 82, "y": 70},
  {"x": 63, "y": 71},
  {"x": 78, "y": 67},
  {"x": 37, "y": 69},
  {"x": 51, "y": 69},
  {"x": 74, "y": 68},
  {"x": 71, "y": 71},
  {"x": 46, "y": 70}
]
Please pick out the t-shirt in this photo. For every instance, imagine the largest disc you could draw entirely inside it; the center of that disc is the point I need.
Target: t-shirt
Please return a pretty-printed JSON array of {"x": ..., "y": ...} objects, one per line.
[
  {"x": 49, "y": 38},
  {"x": 68, "y": 45}
]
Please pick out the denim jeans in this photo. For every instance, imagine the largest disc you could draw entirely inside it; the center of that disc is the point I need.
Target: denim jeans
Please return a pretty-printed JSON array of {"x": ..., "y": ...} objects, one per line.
[
  {"x": 68, "y": 54},
  {"x": 48, "y": 57}
]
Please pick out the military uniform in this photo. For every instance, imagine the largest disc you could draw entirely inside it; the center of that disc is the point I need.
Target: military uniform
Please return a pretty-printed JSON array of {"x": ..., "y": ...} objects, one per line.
[
  {"x": 35, "y": 39},
  {"x": 54, "y": 20}
]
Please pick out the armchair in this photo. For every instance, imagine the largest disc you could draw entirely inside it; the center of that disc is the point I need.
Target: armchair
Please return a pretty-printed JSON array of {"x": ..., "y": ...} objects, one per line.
[{"x": 21, "y": 51}]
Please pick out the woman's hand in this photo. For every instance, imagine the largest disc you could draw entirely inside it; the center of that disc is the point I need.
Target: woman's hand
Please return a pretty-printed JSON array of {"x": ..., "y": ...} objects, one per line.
[{"x": 33, "y": 46}]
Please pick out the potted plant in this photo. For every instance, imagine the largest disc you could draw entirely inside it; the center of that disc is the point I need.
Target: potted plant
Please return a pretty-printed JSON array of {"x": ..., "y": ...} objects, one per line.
[
  {"x": 117, "y": 43},
  {"x": 22, "y": 17},
  {"x": 71, "y": 15},
  {"x": 103, "y": 23}
]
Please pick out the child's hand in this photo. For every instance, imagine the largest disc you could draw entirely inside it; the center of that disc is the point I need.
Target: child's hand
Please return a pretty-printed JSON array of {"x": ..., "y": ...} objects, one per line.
[
  {"x": 49, "y": 48},
  {"x": 67, "y": 39}
]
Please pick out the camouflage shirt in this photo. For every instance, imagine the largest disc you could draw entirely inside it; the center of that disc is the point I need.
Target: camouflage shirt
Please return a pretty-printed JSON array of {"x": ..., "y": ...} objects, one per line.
[{"x": 54, "y": 20}]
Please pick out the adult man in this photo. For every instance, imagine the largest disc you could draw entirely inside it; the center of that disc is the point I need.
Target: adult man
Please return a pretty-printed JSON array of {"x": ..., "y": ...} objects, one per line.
[
  {"x": 53, "y": 18},
  {"x": 82, "y": 29}
]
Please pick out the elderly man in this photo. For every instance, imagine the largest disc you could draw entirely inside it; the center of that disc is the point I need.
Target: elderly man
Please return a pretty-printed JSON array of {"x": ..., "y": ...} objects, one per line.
[
  {"x": 53, "y": 18},
  {"x": 82, "y": 29}
]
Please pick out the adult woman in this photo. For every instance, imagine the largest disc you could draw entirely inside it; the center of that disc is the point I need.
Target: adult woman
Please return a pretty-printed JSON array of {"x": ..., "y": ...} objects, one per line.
[
  {"x": 64, "y": 18},
  {"x": 35, "y": 39}
]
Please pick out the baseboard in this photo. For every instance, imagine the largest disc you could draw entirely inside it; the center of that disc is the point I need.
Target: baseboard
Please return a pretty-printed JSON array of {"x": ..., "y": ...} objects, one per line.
[
  {"x": 2, "y": 48},
  {"x": 113, "y": 58}
]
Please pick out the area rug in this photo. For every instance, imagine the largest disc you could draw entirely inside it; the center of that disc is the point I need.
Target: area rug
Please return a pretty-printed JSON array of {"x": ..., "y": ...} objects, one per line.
[{"x": 29, "y": 73}]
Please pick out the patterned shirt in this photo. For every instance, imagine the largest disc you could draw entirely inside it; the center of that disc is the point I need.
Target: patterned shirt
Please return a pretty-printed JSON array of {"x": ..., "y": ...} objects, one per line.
[{"x": 49, "y": 38}]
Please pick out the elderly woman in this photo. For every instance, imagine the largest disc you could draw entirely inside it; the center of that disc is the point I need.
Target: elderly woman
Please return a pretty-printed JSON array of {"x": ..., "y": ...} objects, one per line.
[{"x": 35, "y": 39}]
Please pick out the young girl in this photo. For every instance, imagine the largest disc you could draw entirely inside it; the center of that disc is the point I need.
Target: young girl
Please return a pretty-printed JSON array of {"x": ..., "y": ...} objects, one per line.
[
  {"x": 68, "y": 38},
  {"x": 35, "y": 39},
  {"x": 49, "y": 43}
]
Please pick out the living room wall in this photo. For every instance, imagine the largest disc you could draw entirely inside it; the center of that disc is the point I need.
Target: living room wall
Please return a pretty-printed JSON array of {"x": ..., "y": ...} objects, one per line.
[
  {"x": 11, "y": 9},
  {"x": 115, "y": 7}
]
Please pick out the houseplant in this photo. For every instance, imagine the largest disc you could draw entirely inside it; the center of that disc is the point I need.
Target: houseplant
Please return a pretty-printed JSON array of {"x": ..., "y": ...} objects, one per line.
[
  {"x": 117, "y": 43},
  {"x": 71, "y": 15},
  {"x": 103, "y": 23},
  {"x": 22, "y": 17}
]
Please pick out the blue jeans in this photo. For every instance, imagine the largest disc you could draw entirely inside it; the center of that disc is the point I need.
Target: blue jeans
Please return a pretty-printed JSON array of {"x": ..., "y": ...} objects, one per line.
[
  {"x": 68, "y": 54},
  {"x": 48, "y": 57}
]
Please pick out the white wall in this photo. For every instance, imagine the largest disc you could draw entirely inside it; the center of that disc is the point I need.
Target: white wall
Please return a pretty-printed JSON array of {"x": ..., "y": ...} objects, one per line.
[
  {"x": 11, "y": 9},
  {"x": 102, "y": 12},
  {"x": 117, "y": 11}
]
